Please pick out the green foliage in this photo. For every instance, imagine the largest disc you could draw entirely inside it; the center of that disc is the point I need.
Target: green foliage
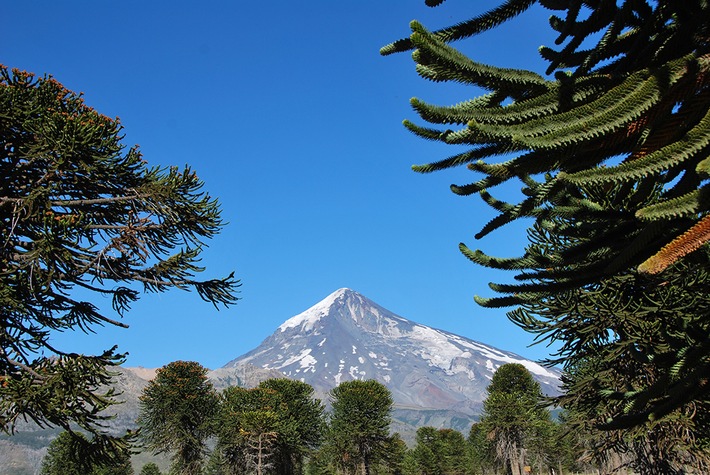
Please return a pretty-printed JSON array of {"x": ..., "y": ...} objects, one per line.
[
  {"x": 441, "y": 452},
  {"x": 359, "y": 426},
  {"x": 61, "y": 458},
  {"x": 481, "y": 448},
  {"x": 177, "y": 413},
  {"x": 514, "y": 420},
  {"x": 84, "y": 218},
  {"x": 270, "y": 428},
  {"x": 301, "y": 423},
  {"x": 64, "y": 457},
  {"x": 150, "y": 469},
  {"x": 612, "y": 160}
]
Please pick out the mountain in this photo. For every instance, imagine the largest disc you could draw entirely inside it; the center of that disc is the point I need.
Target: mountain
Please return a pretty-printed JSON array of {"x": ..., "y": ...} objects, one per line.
[{"x": 436, "y": 377}]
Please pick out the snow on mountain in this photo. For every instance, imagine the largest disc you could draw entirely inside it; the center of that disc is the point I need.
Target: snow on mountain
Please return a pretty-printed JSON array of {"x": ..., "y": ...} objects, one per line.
[{"x": 347, "y": 336}]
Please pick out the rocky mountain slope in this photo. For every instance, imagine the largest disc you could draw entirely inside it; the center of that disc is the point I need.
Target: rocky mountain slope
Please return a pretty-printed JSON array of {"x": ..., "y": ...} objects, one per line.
[{"x": 434, "y": 376}]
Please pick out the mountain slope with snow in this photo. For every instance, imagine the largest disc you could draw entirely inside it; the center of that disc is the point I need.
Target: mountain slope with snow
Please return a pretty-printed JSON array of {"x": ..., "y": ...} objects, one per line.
[{"x": 347, "y": 336}]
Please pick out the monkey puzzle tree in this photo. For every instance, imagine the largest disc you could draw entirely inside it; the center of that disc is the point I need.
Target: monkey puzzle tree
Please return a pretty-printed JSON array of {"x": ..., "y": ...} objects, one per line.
[
  {"x": 270, "y": 428},
  {"x": 441, "y": 451},
  {"x": 178, "y": 407},
  {"x": 64, "y": 457},
  {"x": 301, "y": 423},
  {"x": 359, "y": 424},
  {"x": 512, "y": 418},
  {"x": 613, "y": 157},
  {"x": 150, "y": 468},
  {"x": 84, "y": 218}
]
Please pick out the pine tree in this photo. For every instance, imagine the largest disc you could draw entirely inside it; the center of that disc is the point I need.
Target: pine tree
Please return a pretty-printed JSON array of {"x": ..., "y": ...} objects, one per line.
[
  {"x": 301, "y": 423},
  {"x": 632, "y": 111},
  {"x": 512, "y": 418},
  {"x": 277, "y": 424},
  {"x": 84, "y": 218},
  {"x": 359, "y": 426},
  {"x": 612, "y": 157},
  {"x": 177, "y": 413},
  {"x": 64, "y": 457},
  {"x": 151, "y": 468}
]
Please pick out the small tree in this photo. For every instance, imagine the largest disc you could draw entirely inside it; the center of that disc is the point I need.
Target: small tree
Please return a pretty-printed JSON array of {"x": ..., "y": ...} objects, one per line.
[
  {"x": 150, "y": 469},
  {"x": 276, "y": 424},
  {"x": 248, "y": 428},
  {"x": 360, "y": 422},
  {"x": 64, "y": 457},
  {"x": 82, "y": 213},
  {"x": 61, "y": 459},
  {"x": 301, "y": 423},
  {"x": 441, "y": 452},
  {"x": 512, "y": 417},
  {"x": 177, "y": 411}
]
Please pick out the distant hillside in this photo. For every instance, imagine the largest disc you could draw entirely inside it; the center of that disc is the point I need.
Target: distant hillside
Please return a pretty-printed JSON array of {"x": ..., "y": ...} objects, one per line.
[{"x": 22, "y": 453}]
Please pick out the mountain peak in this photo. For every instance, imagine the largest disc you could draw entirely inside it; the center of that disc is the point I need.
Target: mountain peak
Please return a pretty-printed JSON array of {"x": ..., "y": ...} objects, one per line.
[
  {"x": 436, "y": 378},
  {"x": 307, "y": 319}
]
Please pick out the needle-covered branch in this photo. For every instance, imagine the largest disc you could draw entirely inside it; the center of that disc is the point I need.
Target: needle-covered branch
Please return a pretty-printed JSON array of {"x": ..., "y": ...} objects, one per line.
[{"x": 82, "y": 212}]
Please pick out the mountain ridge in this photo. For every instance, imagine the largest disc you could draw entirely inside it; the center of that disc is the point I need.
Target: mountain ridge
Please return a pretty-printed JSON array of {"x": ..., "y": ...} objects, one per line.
[{"x": 347, "y": 336}]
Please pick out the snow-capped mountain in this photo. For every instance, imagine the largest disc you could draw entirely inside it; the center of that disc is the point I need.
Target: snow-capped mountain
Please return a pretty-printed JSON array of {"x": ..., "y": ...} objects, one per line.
[{"x": 347, "y": 336}]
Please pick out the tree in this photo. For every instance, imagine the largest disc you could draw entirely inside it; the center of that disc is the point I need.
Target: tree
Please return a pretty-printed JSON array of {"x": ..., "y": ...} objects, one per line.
[
  {"x": 271, "y": 427},
  {"x": 84, "y": 218},
  {"x": 64, "y": 457},
  {"x": 359, "y": 424},
  {"x": 177, "y": 414},
  {"x": 441, "y": 452},
  {"x": 248, "y": 429},
  {"x": 612, "y": 156},
  {"x": 481, "y": 449},
  {"x": 150, "y": 469},
  {"x": 61, "y": 459},
  {"x": 673, "y": 445},
  {"x": 301, "y": 423},
  {"x": 512, "y": 417}
]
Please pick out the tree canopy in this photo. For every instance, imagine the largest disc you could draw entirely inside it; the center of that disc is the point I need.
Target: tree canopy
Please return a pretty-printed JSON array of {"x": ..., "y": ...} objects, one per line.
[
  {"x": 64, "y": 457},
  {"x": 359, "y": 424},
  {"x": 611, "y": 155},
  {"x": 84, "y": 218},
  {"x": 630, "y": 112},
  {"x": 512, "y": 418},
  {"x": 178, "y": 407}
]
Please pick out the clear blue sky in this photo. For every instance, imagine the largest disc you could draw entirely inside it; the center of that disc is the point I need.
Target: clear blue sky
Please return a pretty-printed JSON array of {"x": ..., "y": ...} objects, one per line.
[{"x": 293, "y": 119}]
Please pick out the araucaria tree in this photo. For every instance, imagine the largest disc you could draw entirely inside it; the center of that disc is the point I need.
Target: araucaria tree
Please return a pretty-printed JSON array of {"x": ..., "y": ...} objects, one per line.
[
  {"x": 359, "y": 425},
  {"x": 84, "y": 218},
  {"x": 613, "y": 157},
  {"x": 268, "y": 429},
  {"x": 64, "y": 457},
  {"x": 513, "y": 419},
  {"x": 177, "y": 414},
  {"x": 301, "y": 423}
]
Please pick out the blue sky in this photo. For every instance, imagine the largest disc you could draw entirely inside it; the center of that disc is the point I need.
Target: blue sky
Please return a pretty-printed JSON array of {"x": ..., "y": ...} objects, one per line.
[{"x": 292, "y": 118}]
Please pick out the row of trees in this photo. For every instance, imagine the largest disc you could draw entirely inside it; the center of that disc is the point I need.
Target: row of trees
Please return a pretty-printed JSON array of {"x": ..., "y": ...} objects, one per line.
[
  {"x": 280, "y": 428},
  {"x": 272, "y": 428}
]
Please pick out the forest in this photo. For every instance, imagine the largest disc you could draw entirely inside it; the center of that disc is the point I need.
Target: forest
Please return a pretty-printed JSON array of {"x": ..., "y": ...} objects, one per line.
[
  {"x": 610, "y": 154},
  {"x": 278, "y": 427}
]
